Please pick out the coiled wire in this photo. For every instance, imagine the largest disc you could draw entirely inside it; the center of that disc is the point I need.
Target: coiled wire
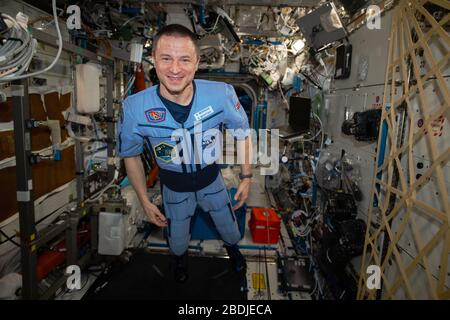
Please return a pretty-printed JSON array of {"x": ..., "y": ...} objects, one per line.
[
  {"x": 18, "y": 50},
  {"x": 15, "y": 58}
]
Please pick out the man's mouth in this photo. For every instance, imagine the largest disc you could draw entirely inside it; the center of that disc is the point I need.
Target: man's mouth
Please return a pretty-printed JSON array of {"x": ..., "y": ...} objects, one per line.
[{"x": 175, "y": 78}]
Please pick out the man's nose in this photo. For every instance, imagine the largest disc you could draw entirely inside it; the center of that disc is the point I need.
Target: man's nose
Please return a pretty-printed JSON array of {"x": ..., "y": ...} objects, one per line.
[{"x": 175, "y": 67}]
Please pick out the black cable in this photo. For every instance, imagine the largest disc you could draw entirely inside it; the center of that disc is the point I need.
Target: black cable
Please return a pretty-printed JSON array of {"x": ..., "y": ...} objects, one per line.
[
  {"x": 37, "y": 222},
  {"x": 2, "y": 22},
  {"x": 10, "y": 239},
  {"x": 312, "y": 81},
  {"x": 267, "y": 275},
  {"x": 259, "y": 271},
  {"x": 11, "y": 39},
  {"x": 148, "y": 61}
]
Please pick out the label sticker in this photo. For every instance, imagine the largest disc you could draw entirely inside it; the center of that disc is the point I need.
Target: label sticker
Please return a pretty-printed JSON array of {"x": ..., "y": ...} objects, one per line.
[
  {"x": 203, "y": 113},
  {"x": 258, "y": 281}
]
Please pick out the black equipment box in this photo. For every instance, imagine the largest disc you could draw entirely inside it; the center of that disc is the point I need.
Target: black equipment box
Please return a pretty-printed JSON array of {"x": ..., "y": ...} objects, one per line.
[
  {"x": 341, "y": 206},
  {"x": 294, "y": 274}
]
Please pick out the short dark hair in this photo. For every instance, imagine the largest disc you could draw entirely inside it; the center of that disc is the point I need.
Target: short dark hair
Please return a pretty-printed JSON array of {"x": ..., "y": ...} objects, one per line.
[{"x": 175, "y": 30}]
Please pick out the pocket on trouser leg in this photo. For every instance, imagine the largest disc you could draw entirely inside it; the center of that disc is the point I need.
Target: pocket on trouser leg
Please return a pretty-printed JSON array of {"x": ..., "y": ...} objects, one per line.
[
  {"x": 214, "y": 201},
  {"x": 214, "y": 196},
  {"x": 178, "y": 205}
]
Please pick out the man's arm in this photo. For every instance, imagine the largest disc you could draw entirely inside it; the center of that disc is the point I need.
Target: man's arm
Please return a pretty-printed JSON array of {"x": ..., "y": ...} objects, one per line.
[
  {"x": 136, "y": 175},
  {"x": 244, "y": 148}
]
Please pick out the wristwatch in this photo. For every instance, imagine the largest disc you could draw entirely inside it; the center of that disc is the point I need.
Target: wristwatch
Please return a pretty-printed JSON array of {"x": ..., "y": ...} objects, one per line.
[{"x": 245, "y": 176}]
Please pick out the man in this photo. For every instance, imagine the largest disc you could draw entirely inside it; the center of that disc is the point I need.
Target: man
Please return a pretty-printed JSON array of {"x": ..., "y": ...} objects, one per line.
[{"x": 178, "y": 104}]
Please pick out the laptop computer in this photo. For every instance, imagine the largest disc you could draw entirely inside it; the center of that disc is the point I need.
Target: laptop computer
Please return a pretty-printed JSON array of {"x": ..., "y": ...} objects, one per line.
[{"x": 299, "y": 118}]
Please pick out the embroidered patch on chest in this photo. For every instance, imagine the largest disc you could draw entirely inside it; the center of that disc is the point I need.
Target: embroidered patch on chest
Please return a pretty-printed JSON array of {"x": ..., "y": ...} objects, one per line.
[
  {"x": 165, "y": 152},
  {"x": 203, "y": 113},
  {"x": 156, "y": 115}
]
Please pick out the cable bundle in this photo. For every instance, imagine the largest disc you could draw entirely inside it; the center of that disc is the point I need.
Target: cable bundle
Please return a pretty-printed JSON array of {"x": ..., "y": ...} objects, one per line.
[{"x": 17, "y": 48}]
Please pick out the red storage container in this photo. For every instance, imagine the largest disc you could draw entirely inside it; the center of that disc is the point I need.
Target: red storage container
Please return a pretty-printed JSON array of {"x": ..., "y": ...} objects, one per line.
[{"x": 264, "y": 225}]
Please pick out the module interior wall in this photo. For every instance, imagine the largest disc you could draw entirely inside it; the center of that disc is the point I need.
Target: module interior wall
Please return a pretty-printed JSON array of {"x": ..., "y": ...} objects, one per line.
[{"x": 345, "y": 99}]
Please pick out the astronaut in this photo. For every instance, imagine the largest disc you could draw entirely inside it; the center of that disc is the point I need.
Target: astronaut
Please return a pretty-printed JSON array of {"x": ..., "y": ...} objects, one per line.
[{"x": 167, "y": 116}]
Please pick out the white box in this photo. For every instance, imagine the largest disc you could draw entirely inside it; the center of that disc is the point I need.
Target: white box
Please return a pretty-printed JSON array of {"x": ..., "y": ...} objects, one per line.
[
  {"x": 88, "y": 88},
  {"x": 136, "y": 52}
]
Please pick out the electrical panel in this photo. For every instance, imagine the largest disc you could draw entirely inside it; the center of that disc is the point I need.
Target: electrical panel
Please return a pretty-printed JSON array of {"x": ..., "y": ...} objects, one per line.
[{"x": 322, "y": 26}]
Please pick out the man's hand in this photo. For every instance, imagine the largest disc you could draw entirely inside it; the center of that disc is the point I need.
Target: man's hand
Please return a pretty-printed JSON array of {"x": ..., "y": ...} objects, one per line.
[
  {"x": 242, "y": 193},
  {"x": 154, "y": 215}
]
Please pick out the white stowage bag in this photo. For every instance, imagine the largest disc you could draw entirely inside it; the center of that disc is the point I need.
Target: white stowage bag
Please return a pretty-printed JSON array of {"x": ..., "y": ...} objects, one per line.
[
  {"x": 88, "y": 88},
  {"x": 9, "y": 285},
  {"x": 111, "y": 233}
]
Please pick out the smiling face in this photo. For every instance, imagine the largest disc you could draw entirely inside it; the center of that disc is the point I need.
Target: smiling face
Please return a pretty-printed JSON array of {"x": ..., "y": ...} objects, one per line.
[{"x": 176, "y": 62}]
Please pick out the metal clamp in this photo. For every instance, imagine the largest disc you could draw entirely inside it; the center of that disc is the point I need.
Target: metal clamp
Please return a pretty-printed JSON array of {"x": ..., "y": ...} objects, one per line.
[
  {"x": 23, "y": 196},
  {"x": 34, "y": 158}
]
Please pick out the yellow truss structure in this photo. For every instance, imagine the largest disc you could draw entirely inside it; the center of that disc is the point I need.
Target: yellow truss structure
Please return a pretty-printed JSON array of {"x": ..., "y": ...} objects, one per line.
[{"x": 413, "y": 67}]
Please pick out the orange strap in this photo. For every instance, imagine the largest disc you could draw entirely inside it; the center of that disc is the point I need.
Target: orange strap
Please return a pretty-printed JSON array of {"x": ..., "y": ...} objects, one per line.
[{"x": 139, "y": 82}]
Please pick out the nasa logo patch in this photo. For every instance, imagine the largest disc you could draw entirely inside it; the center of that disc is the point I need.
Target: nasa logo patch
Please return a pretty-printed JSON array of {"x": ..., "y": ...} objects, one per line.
[
  {"x": 156, "y": 115},
  {"x": 208, "y": 141}
]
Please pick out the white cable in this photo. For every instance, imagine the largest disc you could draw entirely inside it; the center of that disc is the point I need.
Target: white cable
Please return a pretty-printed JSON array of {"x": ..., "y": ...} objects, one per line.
[
  {"x": 15, "y": 57},
  {"x": 101, "y": 192},
  {"x": 60, "y": 45},
  {"x": 317, "y": 134},
  {"x": 320, "y": 132},
  {"x": 282, "y": 94},
  {"x": 222, "y": 13},
  {"x": 129, "y": 20},
  {"x": 215, "y": 24},
  {"x": 327, "y": 74},
  {"x": 315, "y": 287},
  {"x": 323, "y": 135},
  {"x": 129, "y": 85},
  {"x": 304, "y": 234},
  {"x": 75, "y": 137},
  {"x": 306, "y": 207}
]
